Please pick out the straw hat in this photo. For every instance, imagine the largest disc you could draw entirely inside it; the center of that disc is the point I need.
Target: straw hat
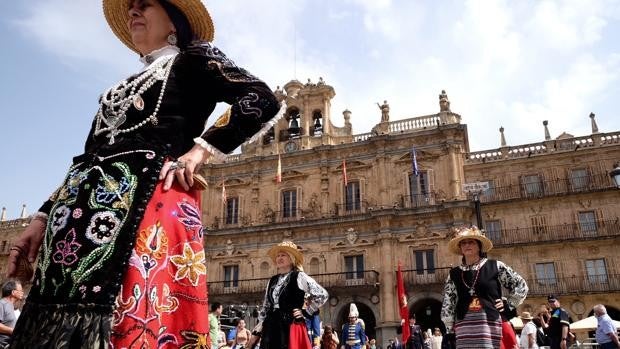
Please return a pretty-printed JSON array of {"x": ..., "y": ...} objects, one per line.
[
  {"x": 526, "y": 316},
  {"x": 290, "y": 248},
  {"x": 469, "y": 233},
  {"x": 117, "y": 14}
]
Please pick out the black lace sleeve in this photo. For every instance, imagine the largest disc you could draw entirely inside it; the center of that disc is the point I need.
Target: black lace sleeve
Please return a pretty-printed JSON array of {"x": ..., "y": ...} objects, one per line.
[{"x": 253, "y": 106}]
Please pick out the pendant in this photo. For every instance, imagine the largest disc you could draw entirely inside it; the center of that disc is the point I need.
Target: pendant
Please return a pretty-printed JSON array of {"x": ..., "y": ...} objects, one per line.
[
  {"x": 471, "y": 291},
  {"x": 138, "y": 102}
]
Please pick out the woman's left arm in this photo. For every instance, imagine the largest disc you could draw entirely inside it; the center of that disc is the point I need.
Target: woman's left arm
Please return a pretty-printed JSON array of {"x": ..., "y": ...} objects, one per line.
[
  {"x": 253, "y": 110},
  {"x": 318, "y": 295},
  {"x": 515, "y": 284}
]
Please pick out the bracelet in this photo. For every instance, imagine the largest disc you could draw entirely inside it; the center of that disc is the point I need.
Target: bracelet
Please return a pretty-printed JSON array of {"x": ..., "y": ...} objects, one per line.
[
  {"x": 39, "y": 216},
  {"x": 214, "y": 152}
]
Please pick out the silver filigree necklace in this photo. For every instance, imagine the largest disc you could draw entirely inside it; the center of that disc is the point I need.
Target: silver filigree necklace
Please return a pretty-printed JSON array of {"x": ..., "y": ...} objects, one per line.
[{"x": 120, "y": 97}]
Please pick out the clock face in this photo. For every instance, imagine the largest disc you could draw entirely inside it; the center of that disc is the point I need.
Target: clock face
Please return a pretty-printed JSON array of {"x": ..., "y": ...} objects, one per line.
[{"x": 290, "y": 147}]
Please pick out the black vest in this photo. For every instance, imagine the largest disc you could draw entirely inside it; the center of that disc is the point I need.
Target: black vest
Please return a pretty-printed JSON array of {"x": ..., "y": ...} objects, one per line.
[
  {"x": 291, "y": 296},
  {"x": 487, "y": 289}
]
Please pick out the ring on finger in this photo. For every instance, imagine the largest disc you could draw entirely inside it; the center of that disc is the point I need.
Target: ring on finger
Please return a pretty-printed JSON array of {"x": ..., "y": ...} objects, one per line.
[
  {"x": 173, "y": 166},
  {"x": 180, "y": 164}
]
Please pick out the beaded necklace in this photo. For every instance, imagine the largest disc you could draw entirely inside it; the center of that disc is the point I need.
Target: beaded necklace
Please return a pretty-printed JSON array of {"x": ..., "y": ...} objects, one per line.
[
  {"x": 473, "y": 285},
  {"x": 120, "y": 97}
]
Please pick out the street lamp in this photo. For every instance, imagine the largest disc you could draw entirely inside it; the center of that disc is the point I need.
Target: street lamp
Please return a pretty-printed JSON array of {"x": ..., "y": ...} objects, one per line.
[
  {"x": 615, "y": 174},
  {"x": 475, "y": 189}
]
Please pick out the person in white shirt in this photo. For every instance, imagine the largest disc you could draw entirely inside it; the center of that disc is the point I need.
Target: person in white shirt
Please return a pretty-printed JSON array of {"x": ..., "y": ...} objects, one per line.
[{"x": 528, "y": 333}]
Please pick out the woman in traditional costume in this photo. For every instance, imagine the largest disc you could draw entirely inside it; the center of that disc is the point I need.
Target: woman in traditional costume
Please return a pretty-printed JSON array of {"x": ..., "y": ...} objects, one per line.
[
  {"x": 121, "y": 259},
  {"x": 282, "y": 319},
  {"x": 473, "y": 293}
]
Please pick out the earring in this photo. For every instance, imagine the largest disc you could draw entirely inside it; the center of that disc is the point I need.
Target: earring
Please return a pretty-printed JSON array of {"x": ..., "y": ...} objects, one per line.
[{"x": 172, "y": 39}]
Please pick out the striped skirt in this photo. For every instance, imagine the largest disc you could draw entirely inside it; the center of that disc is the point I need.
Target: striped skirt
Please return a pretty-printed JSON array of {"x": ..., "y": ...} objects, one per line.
[
  {"x": 163, "y": 300},
  {"x": 476, "y": 332}
]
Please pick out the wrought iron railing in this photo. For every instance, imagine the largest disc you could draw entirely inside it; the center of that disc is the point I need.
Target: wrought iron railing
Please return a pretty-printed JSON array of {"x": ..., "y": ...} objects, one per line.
[
  {"x": 549, "y": 233},
  {"x": 560, "y": 186},
  {"x": 418, "y": 200},
  {"x": 574, "y": 285},
  {"x": 357, "y": 279},
  {"x": 425, "y": 277}
]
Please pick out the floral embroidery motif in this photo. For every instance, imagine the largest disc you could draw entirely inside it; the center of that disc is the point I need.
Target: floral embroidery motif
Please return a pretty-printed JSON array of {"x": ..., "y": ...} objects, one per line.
[
  {"x": 103, "y": 226},
  {"x": 77, "y": 213},
  {"x": 66, "y": 249},
  {"x": 59, "y": 218},
  {"x": 111, "y": 190},
  {"x": 152, "y": 242},
  {"x": 190, "y": 217},
  {"x": 195, "y": 340},
  {"x": 190, "y": 265}
]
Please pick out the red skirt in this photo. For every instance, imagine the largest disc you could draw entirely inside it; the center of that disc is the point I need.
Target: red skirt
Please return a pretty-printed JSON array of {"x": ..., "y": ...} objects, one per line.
[
  {"x": 163, "y": 299},
  {"x": 298, "y": 336}
]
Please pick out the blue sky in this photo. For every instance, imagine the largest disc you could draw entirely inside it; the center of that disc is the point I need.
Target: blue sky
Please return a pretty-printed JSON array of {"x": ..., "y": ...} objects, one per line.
[{"x": 502, "y": 63}]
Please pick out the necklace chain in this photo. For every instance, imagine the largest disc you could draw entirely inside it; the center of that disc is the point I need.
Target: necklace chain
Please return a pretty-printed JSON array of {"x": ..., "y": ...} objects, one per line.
[
  {"x": 120, "y": 97},
  {"x": 472, "y": 291}
]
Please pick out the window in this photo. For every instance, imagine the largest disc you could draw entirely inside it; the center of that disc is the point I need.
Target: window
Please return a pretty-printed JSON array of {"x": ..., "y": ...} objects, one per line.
[
  {"x": 596, "y": 270},
  {"x": 539, "y": 224},
  {"x": 545, "y": 273},
  {"x": 289, "y": 203},
  {"x": 532, "y": 185},
  {"x": 424, "y": 262},
  {"x": 493, "y": 230},
  {"x": 587, "y": 222},
  {"x": 314, "y": 266},
  {"x": 232, "y": 210},
  {"x": 231, "y": 275},
  {"x": 579, "y": 179},
  {"x": 352, "y": 199},
  {"x": 354, "y": 266},
  {"x": 490, "y": 192},
  {"x": 419, "y": 187}
]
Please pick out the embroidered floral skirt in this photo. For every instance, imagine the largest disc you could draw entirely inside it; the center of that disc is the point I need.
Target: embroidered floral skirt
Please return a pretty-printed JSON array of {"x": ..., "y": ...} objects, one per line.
[{"x": 163, "y": 298}]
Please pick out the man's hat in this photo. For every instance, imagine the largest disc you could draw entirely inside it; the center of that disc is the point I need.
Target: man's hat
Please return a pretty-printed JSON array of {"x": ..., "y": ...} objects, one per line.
[
  {"x": 526, "y": 316},
  {"x": 353, "y": 311},
  {"x": 469, "y": 233},
  {"x": 551, "y": 298},
  {"x": 117, "y": 14}
]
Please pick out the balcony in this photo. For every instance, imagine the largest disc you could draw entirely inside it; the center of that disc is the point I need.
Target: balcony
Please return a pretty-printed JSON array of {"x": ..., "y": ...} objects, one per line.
[
  {"x": 425, "y": 277},
  {"x": 555, "y": 233},
  {"x": 359, "y": 279},
  {"x": 560, "y": 186},
  {"x": 418, "y": 200},
  {"x": 349, "y": 209},
  {"x": 574, "y": 285}
]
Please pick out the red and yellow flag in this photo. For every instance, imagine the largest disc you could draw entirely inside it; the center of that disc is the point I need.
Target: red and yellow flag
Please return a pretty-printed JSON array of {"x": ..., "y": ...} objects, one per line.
[
  {"x": 402, "y": 303},
  {"x": 344, "y": 172},
  {"x": 279, "y": 170}
]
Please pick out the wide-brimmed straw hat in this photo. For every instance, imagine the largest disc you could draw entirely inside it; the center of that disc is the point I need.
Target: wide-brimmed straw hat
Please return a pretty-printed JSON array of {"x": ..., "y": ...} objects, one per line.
[
  {"x": 469, "y": 233},
  {"x": 117, "y": 14},
  {"x": 290, "y": 248},
  {"x": 526, "y": 316}
]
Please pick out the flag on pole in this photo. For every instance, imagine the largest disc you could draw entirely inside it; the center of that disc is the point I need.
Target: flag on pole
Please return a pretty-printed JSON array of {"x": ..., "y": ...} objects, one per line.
[
  {"x": 279, "y": 170},
  {"x": 402, "y": 303},
  {"x": 224, "y": 192},
  {"x": 414, "y": 162},
  {"x": 344, "y": 172}
]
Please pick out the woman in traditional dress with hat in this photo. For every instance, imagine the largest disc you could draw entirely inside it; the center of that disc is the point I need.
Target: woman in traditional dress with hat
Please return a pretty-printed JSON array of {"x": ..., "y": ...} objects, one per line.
[
  {"x": 473, "y": 293},
  {"x": 281, "y": 321},
  {"x": 121, "y": 261}
]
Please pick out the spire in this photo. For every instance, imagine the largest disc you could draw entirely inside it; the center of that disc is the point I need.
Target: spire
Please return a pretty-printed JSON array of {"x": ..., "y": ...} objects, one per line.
[
  {"x": 3, "y": 215},
  {"x": 593, "y": 121},
  {"x": 24, "y": 214},
  {"x": 547, "y": 135},
  {"x": 502, "y": 139}
]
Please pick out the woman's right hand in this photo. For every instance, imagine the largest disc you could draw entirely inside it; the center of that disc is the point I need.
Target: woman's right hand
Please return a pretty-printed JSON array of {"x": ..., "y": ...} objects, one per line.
[{"x": 29, "y": 241}]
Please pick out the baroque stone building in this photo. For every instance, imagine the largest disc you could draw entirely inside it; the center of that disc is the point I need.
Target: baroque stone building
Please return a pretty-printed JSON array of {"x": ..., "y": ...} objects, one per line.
[{"x": 550, "y": 208}]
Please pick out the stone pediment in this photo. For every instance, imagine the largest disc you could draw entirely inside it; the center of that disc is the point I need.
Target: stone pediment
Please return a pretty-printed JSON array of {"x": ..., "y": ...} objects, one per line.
[
  {"x": 351, "y": 238},
  {"x": 352, "y": 165},
  {"x": 421, "y": 155},
  {"x": 235, "y": 182},
  {"x": 423, "y": 233},
  {"x": 230, "y": 251},
  {"x": 292, "y": 174}
]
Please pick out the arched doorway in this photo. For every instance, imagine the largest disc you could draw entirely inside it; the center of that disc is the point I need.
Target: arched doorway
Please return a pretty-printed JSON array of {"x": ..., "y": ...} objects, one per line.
[
  {"x": 613, "y": 312},
  {"x": 428, "y": 314},
  {"x": 366, "y": 314}
]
